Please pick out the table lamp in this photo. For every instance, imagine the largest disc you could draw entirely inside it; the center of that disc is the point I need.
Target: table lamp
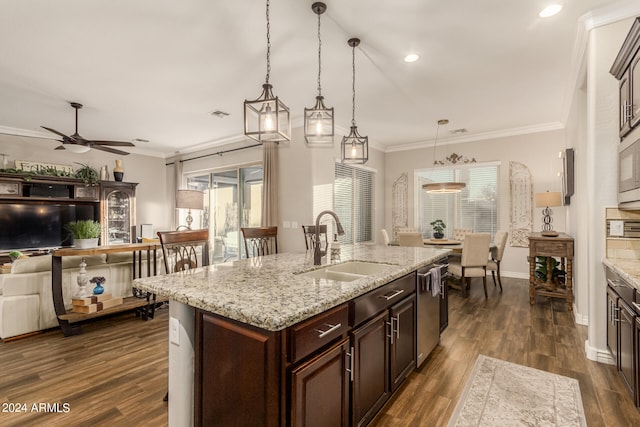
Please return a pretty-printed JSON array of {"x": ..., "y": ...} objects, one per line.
[
  {"x": 547, "y": 200},
  {"x": 189, "y": 199}
]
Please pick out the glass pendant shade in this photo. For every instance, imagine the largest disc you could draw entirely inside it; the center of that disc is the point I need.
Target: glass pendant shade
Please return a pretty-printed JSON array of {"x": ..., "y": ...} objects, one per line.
[
  {"x": 355, "y": 148},
  {"x": 267, "y": 118},
  {"x": 318, "y": 124}
]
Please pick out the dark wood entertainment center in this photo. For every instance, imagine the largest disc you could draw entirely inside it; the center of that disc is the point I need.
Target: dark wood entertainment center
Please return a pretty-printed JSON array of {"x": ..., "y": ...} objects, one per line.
[{"x": 52, "y": 190}]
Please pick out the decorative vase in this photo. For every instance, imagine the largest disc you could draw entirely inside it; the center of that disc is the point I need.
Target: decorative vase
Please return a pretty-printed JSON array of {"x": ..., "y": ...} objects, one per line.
[
  {"x": 104, "y": 173},
  {"x": 99, "y": 289},
  {"x": 82, "y": 281},
  {"x": 85, "y": 243},
  {"x": 118, "y": 171}
]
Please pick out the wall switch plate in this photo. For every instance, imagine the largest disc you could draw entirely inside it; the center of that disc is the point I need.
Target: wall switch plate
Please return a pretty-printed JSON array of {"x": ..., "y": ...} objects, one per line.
[
  {"x": 286, "y": 224},
  {"x": 294, "y": 224},
  {"x": 174, "y": 331},
  {"x": 616, "y": 228}
]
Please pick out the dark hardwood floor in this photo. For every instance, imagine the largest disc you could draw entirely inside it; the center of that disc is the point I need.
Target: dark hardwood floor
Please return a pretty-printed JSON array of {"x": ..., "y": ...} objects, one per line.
[{"x": 115, "y": 373}]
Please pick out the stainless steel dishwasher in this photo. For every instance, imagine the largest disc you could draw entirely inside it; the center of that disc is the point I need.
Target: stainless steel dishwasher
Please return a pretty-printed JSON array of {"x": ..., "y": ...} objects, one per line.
[{"x": 428, "y": 323}]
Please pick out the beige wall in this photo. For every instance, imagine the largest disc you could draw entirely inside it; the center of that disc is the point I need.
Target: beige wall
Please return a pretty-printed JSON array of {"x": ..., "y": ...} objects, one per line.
[
  {"x": 147, "y": 171},
  {"x": 538, "y": 151}
]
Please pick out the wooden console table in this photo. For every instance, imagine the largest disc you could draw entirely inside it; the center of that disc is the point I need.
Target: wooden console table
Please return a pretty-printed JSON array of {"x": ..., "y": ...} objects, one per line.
[
  {"x": 551, "y": 247},
  {"x": 67, "y": 319}
]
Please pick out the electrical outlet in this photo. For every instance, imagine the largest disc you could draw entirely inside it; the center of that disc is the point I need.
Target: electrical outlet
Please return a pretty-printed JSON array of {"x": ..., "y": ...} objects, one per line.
[
  {"x": 616, "y": 228},
  {"x": 174, "y": 331}
]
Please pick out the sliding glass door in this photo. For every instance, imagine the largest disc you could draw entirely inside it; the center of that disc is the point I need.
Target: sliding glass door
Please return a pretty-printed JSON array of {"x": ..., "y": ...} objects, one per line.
[{"x": 234, "y": 200}]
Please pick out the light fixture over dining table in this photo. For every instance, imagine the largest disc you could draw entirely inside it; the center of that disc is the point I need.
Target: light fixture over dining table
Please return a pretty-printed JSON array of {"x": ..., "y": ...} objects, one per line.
[
  {"x": 267, "y": 118},
  {"x": 442, "y": 187}
]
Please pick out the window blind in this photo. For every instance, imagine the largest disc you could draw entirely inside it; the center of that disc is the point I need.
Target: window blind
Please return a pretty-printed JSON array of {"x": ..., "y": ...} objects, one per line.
[
  {"x": 475, "y": 207},
  {"x": 353, "y": 202}
]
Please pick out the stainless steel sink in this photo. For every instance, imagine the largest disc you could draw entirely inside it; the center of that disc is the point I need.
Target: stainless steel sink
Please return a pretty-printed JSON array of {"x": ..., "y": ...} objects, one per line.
[{"x": 347, "y": 271}]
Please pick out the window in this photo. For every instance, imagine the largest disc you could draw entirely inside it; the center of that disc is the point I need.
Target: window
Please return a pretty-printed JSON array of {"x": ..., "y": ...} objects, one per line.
[
  {"x": 475, "y": 207},
  {"x": 353, "y": 202}
]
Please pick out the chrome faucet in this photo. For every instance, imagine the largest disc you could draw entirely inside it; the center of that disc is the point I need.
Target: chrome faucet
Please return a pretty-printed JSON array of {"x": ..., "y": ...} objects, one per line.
[{"x": 317, "y": 252}]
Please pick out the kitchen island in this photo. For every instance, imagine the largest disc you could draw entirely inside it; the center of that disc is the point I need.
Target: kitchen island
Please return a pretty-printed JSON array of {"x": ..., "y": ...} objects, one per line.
[{"x": 262, "y": 302}]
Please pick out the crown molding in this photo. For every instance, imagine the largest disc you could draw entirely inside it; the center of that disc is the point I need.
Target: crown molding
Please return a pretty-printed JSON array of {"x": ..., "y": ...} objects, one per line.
[
  {"x": 544, "y": 127},
  {"x": 6, "y": 130}
]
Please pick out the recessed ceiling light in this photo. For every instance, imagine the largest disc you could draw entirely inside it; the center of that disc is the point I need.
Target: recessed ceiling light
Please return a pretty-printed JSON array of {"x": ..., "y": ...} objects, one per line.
[
  {"x": 550, "y": 10},
  {"x": 412, "y": 57}
]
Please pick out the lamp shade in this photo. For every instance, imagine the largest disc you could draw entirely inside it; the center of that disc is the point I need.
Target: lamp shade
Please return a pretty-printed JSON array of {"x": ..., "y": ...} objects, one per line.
[
  {"x": 189, "y": 199},
  {"x": 548, "y": 199}
]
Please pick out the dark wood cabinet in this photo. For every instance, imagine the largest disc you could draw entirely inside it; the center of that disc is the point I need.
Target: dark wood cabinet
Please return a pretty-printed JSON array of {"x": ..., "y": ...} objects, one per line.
[
  {"x": 627, "y": 348},
  {"x": 320, "y": 388},
  {"x": 612, "y": 323},
  {"x": 371, "y": 368},
  {"x": 444, "y": 304},
  {"x": 626, "y": 68},
  {"x": 237, "y": 374},
  {"x": 402, "y": 341}
]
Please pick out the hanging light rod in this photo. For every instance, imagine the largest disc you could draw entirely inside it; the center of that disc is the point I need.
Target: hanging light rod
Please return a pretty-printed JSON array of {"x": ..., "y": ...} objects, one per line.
[
  {"x": 319, "y": 120},
  {"x": 442, "y": 187},
  {"x": 267, "y": 118}
]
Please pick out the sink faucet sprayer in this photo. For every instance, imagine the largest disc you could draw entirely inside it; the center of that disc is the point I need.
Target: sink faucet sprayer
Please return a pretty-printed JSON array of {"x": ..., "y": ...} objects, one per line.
[{"x": 317, "y": 252}]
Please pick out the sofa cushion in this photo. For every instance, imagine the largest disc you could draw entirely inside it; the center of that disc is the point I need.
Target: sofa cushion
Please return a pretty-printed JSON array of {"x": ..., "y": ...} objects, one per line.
[{"x": 43, "y": 263}]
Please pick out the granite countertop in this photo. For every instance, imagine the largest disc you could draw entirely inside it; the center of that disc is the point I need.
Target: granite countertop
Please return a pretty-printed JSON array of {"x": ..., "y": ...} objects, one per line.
[
  {"x": 628, "y": 269},
  {"x": 266, "y": 291}
]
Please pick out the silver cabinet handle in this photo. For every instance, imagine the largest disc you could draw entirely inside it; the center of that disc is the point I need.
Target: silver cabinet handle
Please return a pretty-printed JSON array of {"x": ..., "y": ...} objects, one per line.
[
  {"x": 332, "y": 328},
  {"x": 392, "y": 295},
  {"x": 390, "y": 335},
  {"x": 636, "y": 305},
  {"x": 351, "y": 363},
  {"x": 397, "y": 330}
]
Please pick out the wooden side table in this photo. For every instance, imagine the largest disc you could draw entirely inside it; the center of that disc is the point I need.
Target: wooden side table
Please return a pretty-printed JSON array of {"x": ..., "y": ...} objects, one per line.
[{"x": 551, "y": 247}]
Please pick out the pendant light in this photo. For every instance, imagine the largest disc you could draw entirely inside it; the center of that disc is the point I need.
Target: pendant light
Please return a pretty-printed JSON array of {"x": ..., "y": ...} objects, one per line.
[
  {"x": 442, "y": 187},
  {"x": 267, "y": 118},
  {"x": 355, "y": 148},
  {"x": 319, "y": 120}
]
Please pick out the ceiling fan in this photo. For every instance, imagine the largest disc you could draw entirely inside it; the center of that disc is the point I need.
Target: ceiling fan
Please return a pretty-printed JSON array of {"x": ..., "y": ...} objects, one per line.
[{"x": 78, "y": 144}]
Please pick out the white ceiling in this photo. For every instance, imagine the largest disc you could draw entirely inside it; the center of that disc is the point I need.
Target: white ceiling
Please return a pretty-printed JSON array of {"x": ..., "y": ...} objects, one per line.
[{"x": 155, "y": 69}]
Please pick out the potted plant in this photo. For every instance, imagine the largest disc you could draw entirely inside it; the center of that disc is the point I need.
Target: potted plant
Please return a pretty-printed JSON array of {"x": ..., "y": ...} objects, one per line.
[
  {"x": 438, "y": 227},
  {"x": 14, "y": 255},
  {"x": 85, "y": 233},
  {"x": 87, "y": 174}
]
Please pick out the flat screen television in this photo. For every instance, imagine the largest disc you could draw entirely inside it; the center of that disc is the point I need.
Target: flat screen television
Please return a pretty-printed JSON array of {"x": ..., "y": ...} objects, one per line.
[{"x": 39, "y": 226}]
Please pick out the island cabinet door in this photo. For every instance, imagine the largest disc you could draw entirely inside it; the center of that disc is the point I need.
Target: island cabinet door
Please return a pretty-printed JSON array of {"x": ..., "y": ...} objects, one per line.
[
  {"x": 237, "y": 374},
  {"x": 320, "y": 389},
  {"x": 403, "y": 340},
  {"x": 370, "y": 389}
]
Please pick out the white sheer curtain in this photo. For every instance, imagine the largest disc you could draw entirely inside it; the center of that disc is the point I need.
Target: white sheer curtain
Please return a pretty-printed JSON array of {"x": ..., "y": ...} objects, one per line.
[{"x": 271, "y": 173}]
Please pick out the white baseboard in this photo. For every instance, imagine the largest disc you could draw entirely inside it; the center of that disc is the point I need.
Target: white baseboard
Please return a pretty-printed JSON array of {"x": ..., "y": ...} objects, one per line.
[
  {"x": 598, "y": 355},
  {"x": 580, "y": 319},
  {"x": 515, "y": 274}
]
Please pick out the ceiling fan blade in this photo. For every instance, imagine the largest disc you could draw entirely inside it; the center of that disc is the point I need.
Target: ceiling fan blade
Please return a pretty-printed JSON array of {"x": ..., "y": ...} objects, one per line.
[
  {"x": 60, "y": 147},
  {"x": 65, "y": 137},
  {"x": 110, "y": 150},
  {"x": 114, "y": 143}
]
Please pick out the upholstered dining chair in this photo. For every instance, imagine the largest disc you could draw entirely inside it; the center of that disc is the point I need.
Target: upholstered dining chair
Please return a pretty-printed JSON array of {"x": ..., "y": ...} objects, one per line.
[
  {"x": 473, "y": 261},
  {"x": 496, "y": 252},
  {"x": 259, "y": 241},
  {"x": 310, "y": 236},
  {"x": 410, "y": 239},
  {"x": 385, "y": 237},
  {"x": 459, "y": 233}
]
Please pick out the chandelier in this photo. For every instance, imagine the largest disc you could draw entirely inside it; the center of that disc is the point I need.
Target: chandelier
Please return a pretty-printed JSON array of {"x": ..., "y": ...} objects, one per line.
[
  {"x": 355, "y": 148},
  {"x": 442, "y": 187}
]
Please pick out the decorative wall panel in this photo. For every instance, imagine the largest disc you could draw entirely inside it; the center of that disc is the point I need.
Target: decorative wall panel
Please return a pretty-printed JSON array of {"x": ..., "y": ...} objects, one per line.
[
  {"x": 400, "y": 204},
  {"x": 521, "y": 209}
]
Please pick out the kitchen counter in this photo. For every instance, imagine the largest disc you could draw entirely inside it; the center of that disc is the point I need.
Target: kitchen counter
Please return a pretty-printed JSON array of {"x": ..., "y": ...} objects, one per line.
[
  {"x": 628, "y": 269},
  {"x": 268, "y": 292}
]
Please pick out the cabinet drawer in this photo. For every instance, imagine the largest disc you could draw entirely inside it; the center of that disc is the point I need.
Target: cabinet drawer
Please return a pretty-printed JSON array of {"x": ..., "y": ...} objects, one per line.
[
  {"x": 379, "y": 299},
  {"x": 310, "y": 335},
  {"x": 560, "y": 249}
]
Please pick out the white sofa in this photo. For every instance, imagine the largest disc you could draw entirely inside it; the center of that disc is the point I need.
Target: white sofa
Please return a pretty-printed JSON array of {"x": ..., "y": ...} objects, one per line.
[{"x": 26, "y": 300}]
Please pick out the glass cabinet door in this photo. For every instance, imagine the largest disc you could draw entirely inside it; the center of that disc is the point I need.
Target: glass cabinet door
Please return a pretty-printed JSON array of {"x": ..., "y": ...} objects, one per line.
[{"x": 118, "y": 210}]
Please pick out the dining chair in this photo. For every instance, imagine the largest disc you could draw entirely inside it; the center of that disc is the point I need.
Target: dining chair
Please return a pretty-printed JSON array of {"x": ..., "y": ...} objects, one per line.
[
  {"x": 184, "y": 249},
  {"x": 410, "y": 239},
  {"x": 259, "y": 241},
  {"x": 473, "y": 261},
  {"x": 310, "y": 236},
  {"x": 385, "y": 237},
  {"x": 496, "y": 252},
  {"x": 181, "y": 251},
  {"x": 459, "y": 233}
]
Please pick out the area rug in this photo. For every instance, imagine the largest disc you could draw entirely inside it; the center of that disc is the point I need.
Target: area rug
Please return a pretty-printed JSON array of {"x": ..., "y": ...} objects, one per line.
[{"x": 500, "y": 393}]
